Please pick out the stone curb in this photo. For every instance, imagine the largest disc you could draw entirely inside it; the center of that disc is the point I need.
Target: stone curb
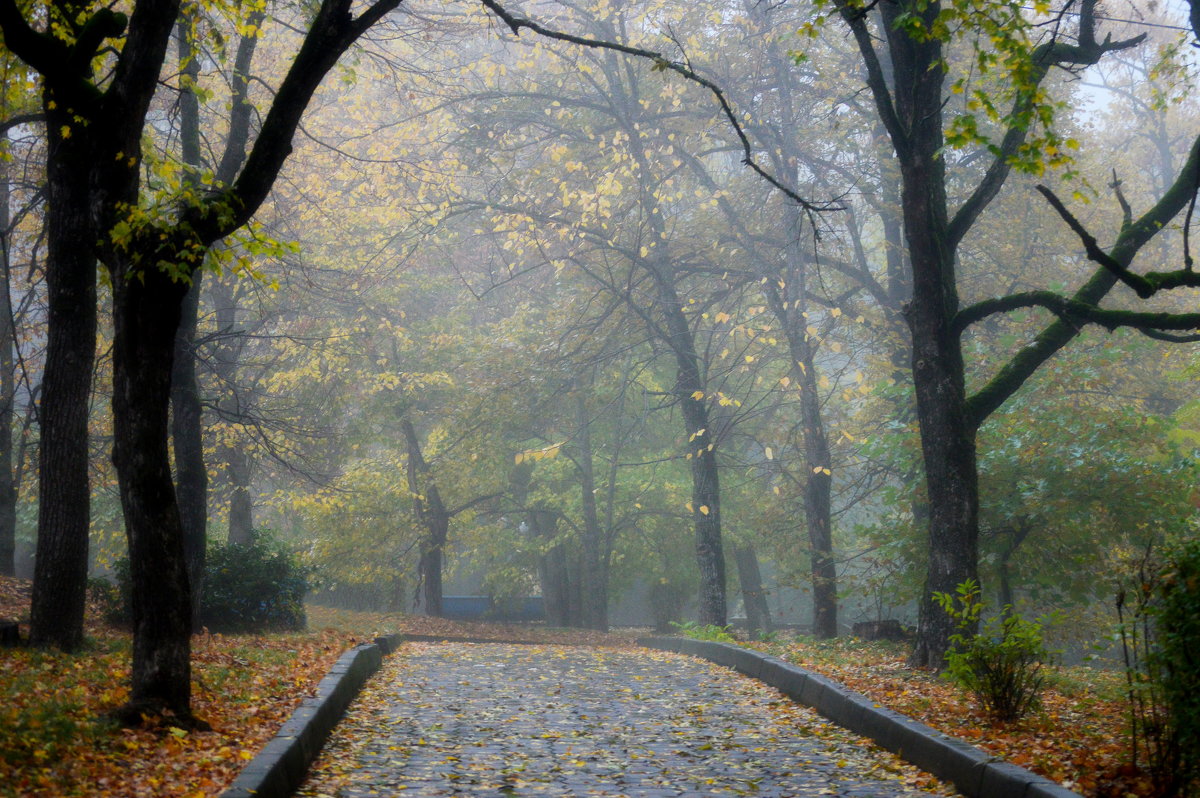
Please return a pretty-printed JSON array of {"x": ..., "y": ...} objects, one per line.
[
  {"x": 279, "y": 768},
  {"x": 974, "y": 772}
]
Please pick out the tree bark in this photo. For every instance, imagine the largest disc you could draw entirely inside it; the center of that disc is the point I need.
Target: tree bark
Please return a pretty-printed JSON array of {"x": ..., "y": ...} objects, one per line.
[
  {"x": 594, "y": 585},
  {"x": 432, "y": 515},
  {"x": 8, "y": 382},
  {"x": 64, "y": 491},
  {"x": 191, "y": 474},
  {"x": 241, "y": 504},
  {"x": 560, "y": 589},
  {"x": 754, "y": 597},
  {"x": 947, "y": 435},
  {"x": 147, "y": 311}
]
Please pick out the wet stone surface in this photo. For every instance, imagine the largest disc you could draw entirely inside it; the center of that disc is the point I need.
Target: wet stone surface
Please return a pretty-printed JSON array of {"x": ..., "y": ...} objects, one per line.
[{"x": 494, "y": 719}]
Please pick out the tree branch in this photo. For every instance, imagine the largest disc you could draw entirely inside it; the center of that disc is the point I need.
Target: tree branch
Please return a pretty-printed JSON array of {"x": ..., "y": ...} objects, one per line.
[
  {"x": 1141, "y": 286},
  {"x": 516, "y": 23},
  {"x": 1044, "y": 57},
  {"x": 1057, "y": 335},
  {"x": 1072, "y": 310},
  {"x": 331, "y": 32},
  {"x": 20, "y": 119}
]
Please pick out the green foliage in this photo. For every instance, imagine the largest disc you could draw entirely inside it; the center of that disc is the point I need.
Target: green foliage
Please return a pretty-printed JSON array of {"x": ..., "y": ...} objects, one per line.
[
  {"x": 716, "y": 634},
  {"x": 1178, "y": 656},
  {"x": 1001, "y": 664},
  {"x": 256, "y": 587}
]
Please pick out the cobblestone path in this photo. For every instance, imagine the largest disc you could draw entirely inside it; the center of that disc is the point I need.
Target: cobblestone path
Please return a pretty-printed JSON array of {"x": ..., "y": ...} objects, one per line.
[{"x": 493, "y": 719}]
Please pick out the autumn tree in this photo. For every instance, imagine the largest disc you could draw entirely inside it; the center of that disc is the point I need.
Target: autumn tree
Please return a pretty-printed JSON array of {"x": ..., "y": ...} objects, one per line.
[
  {"x": 96, "y": 113},
  {"x": 907, "y": 55}
]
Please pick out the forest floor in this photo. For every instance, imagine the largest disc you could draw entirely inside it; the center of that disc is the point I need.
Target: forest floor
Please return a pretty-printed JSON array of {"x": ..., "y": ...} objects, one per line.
[{"x": 57, "y": 738}]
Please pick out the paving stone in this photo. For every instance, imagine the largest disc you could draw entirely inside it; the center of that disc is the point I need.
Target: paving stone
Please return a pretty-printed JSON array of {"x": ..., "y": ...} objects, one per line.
[{"x": 494, "y": 719}]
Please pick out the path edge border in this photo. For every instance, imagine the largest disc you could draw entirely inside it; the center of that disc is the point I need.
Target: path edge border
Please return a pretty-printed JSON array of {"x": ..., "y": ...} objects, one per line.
[
  {"x": 976, "y": 773},
  {"x": 280, "y": 767}
]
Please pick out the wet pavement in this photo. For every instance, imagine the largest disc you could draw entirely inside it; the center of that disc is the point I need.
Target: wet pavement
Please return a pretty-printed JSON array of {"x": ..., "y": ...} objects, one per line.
[{"x": 495, "y": 719}]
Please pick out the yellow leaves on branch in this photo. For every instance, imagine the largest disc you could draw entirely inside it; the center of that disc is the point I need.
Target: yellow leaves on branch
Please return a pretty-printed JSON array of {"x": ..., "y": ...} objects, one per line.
[{"x": 534, "y": 455}]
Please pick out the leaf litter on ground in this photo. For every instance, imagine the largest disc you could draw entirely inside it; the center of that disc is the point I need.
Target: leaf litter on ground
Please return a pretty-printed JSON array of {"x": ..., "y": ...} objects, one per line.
[{"x": 56, "y": 739}]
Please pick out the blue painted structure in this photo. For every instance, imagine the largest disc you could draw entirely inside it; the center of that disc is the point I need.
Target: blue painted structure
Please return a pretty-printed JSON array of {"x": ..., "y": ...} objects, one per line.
[{"x": 521, "y": 609}]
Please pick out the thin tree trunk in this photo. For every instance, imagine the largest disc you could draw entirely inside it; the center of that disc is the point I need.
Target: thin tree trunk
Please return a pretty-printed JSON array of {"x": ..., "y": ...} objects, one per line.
[
  {"x": 432, "y": 515},
  {"x": 8, "y": 382},
  {"x": 754, "y": 597},
  {"x": 241, "y": 504},
  {"x": 593, "y": 586}
]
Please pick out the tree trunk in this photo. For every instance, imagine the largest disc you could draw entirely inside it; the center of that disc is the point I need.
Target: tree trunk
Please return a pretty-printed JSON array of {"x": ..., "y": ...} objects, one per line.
[
  {"x": 818, "y": 457},
  {"x": 593, "y": 585},
  {"x": 754, "y": 597},
  {"x": 191, "y": 474},
  {"x": 947, "y": 435},
  {"x": 64, "y": 494},
  {"x": 147, "y": 310},
  {"x": 560, "y": 593},
  {"x": 701, "y": 452},
  {"x": 241, "y": 505},
  {"x": 432, "y": 516},
  {"x": 8, "y": 382}
]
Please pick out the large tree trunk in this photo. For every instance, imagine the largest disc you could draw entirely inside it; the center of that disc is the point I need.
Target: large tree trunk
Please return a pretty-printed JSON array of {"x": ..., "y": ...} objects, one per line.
[
  {"x": 147, "y": 309},
  {"x": 8, "y": 383},
  {"x": 594, "y": 584},
  {"x": 64, "y": 494},
  {"x": 947, "y": 435}
]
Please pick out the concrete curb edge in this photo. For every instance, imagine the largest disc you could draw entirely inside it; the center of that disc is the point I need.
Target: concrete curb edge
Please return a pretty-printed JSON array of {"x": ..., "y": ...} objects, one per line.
[
  {"x": 976, "y": 773},
  {"x": 278, "y": 769}
]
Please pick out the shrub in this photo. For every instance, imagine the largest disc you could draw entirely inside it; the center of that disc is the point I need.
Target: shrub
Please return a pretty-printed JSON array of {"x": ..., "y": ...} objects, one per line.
[
  {"x": 254, "y": 587},
  {"x": 1001, "y": 664},
  {"x": 1161, "y": 639},
  {"x": 1178, "y": 657},
  {"x": 717, "y": 634}
]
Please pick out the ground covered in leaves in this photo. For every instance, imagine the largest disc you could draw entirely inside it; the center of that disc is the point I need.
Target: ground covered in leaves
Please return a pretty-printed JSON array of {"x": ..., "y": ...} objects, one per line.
[
  {"x": 56, "y": 739},
  {"x": 487, "y": 719},
  {"x": 1079, "y": 738}
]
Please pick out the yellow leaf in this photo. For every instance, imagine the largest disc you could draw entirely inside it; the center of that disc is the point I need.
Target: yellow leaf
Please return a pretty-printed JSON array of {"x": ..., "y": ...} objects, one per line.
[
  {"x": 697, "y": 395},
  {"x": 769, "y": 453},
  {"x": 704, "y": 509}
]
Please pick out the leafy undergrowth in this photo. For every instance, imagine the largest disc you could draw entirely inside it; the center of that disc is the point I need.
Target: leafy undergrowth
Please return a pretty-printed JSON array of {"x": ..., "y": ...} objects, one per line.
[{"x": 1079, "y": 738}]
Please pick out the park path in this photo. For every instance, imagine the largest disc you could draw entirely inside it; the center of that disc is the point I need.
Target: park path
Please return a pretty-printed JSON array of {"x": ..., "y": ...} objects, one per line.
[{"x": 495, "y": 719}]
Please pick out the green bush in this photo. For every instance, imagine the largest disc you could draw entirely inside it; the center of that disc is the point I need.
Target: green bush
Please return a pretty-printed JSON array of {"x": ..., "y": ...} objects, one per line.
[
  {"x": 1178, "y": 656},
  {"x": 257, "y": 587},
  {"x": 712, "y": 632},
  {"x": 1001, "y": 664},
  {"x": 252, "y": 588}
]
